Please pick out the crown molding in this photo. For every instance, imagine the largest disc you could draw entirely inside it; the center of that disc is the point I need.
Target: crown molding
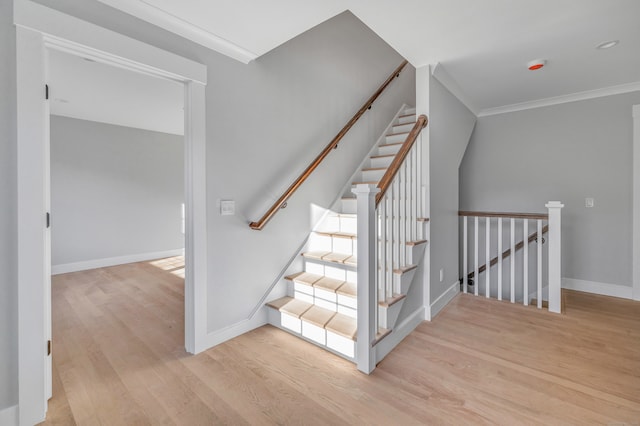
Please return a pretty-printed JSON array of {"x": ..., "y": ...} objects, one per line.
[
  {"x": 156, "y": 16},
  {"x": 573, "y": 97}
]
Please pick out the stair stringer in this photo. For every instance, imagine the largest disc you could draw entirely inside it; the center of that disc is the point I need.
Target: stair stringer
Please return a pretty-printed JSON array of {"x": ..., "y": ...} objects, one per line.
[{"x": 406, "y": 322}]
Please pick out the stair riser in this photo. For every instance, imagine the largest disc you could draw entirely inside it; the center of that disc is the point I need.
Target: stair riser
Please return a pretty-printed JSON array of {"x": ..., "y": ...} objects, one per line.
[
  {"x": 408, "y": 119},
  {"x": 396, "y": 138},
  {"x": 332, "y": 270},
  {"x": 405, "y": 127},
  {"x": 328, "y": 340},
  {"x": 388, "y": 149},
  {"x": 380, "y": 162},
  {"x": 372, "y": 175},
  {"x": 327, "y": 243}
]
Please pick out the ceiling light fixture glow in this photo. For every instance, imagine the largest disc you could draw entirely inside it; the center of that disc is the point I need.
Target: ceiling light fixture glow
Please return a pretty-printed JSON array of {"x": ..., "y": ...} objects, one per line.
[
  {"x": 536, "y": 64},
  {"x": 607, "y": 44}
]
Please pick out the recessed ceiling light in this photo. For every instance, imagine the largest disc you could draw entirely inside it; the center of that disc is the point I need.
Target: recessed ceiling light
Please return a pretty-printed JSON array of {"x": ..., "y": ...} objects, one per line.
[
  {"x": 536, "y": 64},
  {"x": 607, "y": 44}
]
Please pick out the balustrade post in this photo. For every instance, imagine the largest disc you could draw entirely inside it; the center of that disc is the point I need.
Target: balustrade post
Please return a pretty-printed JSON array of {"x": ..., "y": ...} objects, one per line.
[
  {"x": 555, "y": 256},
  {"x": 367, "y": 298}
]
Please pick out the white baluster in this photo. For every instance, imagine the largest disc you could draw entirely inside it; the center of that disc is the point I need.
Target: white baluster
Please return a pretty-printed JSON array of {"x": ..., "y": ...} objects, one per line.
[
  {"x": 465, "y": 278},
  {"x": 525, "y": 263},
  {"x": 513, "y": 261},
  {"x": 401, "y": 178},
  {"x": 539, "y": 272},
  {"x": 414, "y": 196},
  {"x": 383, "y": 249},
  {"x": 499, "y": 258},
  {"x": 476, "y": 271},
  {"x": 389, "y": 270},
  {"x": 487, "y": 256}
]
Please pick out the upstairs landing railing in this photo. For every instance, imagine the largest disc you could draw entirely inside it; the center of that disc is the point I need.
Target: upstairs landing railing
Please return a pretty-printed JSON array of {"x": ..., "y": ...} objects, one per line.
[
  {"x": 388, "y": 218},
  {"x": 282, "y": 201},
  {"x": 518, "y": 278}
]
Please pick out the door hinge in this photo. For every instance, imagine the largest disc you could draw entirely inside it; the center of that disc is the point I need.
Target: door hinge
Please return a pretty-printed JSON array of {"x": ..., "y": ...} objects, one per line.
[
  {"x": 48, "y": 220},
  {"x": 49, "y": 347},
  {"x": 46, "y": 91}
]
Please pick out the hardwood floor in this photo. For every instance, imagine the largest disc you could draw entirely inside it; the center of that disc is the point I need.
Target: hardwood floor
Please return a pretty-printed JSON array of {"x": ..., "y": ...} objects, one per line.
[{"x": 119, "y": 359}]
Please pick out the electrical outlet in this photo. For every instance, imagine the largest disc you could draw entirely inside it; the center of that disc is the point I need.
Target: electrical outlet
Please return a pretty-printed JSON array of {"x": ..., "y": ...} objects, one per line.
[
  {"x": 588, "y": 202},
  {"x": 227, "y": 207}
]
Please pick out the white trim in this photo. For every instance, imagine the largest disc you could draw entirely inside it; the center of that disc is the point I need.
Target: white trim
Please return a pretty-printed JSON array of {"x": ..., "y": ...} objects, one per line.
[
  {"x": 188, "y": 30},
  {"x": 39, "y": 29},
  {"x": 398, "y": 334},
  {"x": 636, "y": 203},
  {"x": 441, "y": 74},
  {"x": 105, "y": 45},
  {"x": 84, "y": 265},
  {"x": 443, "y": 300},
  {"x": 9, "y": 416},
  {"x": 573, "y": 97},
  {"x": 605, "y": 289},
  {"x": 234, "y": 330}
]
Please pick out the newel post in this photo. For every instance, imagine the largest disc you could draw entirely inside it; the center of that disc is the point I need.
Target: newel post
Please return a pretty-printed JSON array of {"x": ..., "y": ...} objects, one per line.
[
  {"x": 555, "y": 256},
  {"x": 367, "y": 303}
]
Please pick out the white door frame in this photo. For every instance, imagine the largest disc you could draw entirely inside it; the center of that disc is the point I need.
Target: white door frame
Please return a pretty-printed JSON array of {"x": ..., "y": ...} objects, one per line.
[
  {"x": 635, "y": 261},
  {"x": 38, "y": 29}
]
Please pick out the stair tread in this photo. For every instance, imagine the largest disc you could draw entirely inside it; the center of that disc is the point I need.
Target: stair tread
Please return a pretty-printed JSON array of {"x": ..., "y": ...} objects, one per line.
[
  {"x": 343, "y": 325},
  {"x": 328, "y": 283},
  {"x": 338, "y": 234},
  {"x": 407, "y": 115},
  {"x": 390, "y": 301},
  {"x": 399, "y": 133},
  {"x": 366, "y": 183},
  {"x": 423, "y": 219},
  {"x": 404, "y": 269},
  {"x": 374, "y": 169},
  {"x": 352, "y": 261},
  {"x": 336, "y": 257},
  {"x": 295, "y": 307},
  {"x": 318, "y": 316},
  {"x": 382, "y": 156},
  {"x": 315, "y": 254},
  {"x": 279, "y": 303},
  {"x": 304, "y": 278},
  {"x": 390, "y": 144},
  {"x": 348, "y": 289},
  {"x": 416, "y": 243},
  {"x": 382, "y": 333}
]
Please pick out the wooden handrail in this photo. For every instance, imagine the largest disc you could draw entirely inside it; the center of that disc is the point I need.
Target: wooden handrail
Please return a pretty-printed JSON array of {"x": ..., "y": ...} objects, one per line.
[
  {"x": 281, "y": 203},
  {"x": 542, "y": 216},
  {"x": 507, "y": 252},
  {"x": 393, "y": 169}
]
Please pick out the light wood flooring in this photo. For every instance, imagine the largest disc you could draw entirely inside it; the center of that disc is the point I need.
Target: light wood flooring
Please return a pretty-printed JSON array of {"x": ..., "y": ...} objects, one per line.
[{"x": 119, "y": 360}]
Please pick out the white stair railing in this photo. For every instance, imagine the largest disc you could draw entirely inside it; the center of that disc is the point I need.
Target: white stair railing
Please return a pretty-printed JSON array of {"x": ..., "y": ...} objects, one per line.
[
  {"x": 388, "y": 215},
  {"x": 518, "y": 286}
]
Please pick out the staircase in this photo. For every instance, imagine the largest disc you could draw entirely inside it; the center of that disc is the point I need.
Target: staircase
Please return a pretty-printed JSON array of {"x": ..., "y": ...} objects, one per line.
[{"x": 322, "y": 301}]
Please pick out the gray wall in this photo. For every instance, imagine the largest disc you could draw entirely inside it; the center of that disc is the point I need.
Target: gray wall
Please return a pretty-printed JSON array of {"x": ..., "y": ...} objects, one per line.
[
  {"x": 115, "y": 191},
  {"x": 8, "y": 212},
  {"x": 265, "y": 121},
  {"x": 451, "y": 125},
  {"x": 518, "y": 161}
]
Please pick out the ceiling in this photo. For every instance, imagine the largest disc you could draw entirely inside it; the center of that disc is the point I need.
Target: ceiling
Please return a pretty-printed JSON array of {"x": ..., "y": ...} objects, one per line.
[
  {"x": 88, "y": 90},
  {"x": 482, "y": 46}
]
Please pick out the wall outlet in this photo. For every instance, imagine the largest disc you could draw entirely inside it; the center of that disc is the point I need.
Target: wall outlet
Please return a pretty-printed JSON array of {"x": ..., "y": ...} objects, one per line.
[
  {"x": 441, "y": 275},
  {"x": 588, "y": 202}
]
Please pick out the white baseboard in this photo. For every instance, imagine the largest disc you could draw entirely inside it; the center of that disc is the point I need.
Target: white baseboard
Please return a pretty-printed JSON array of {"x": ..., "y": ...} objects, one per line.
[
  {"x": 443, "y": 300},
  {"x": 220, "y": 336},
  {"x": 9, "y": 416},
  {"x": 112, "y": 261},
  {"x": 604, "y": 289},
  {"x": 399, "y": 333}
]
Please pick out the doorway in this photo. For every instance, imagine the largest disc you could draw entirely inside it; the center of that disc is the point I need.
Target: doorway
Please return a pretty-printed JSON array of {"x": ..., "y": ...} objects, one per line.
[{"x": 38, "y": 31}]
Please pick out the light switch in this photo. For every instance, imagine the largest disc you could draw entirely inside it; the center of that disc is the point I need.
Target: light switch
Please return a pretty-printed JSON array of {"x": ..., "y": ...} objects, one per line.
[
  {"x": 441, "y": 275},
  {"x": 227, "y": 207},
  {"x": 588, "y": 202}
]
